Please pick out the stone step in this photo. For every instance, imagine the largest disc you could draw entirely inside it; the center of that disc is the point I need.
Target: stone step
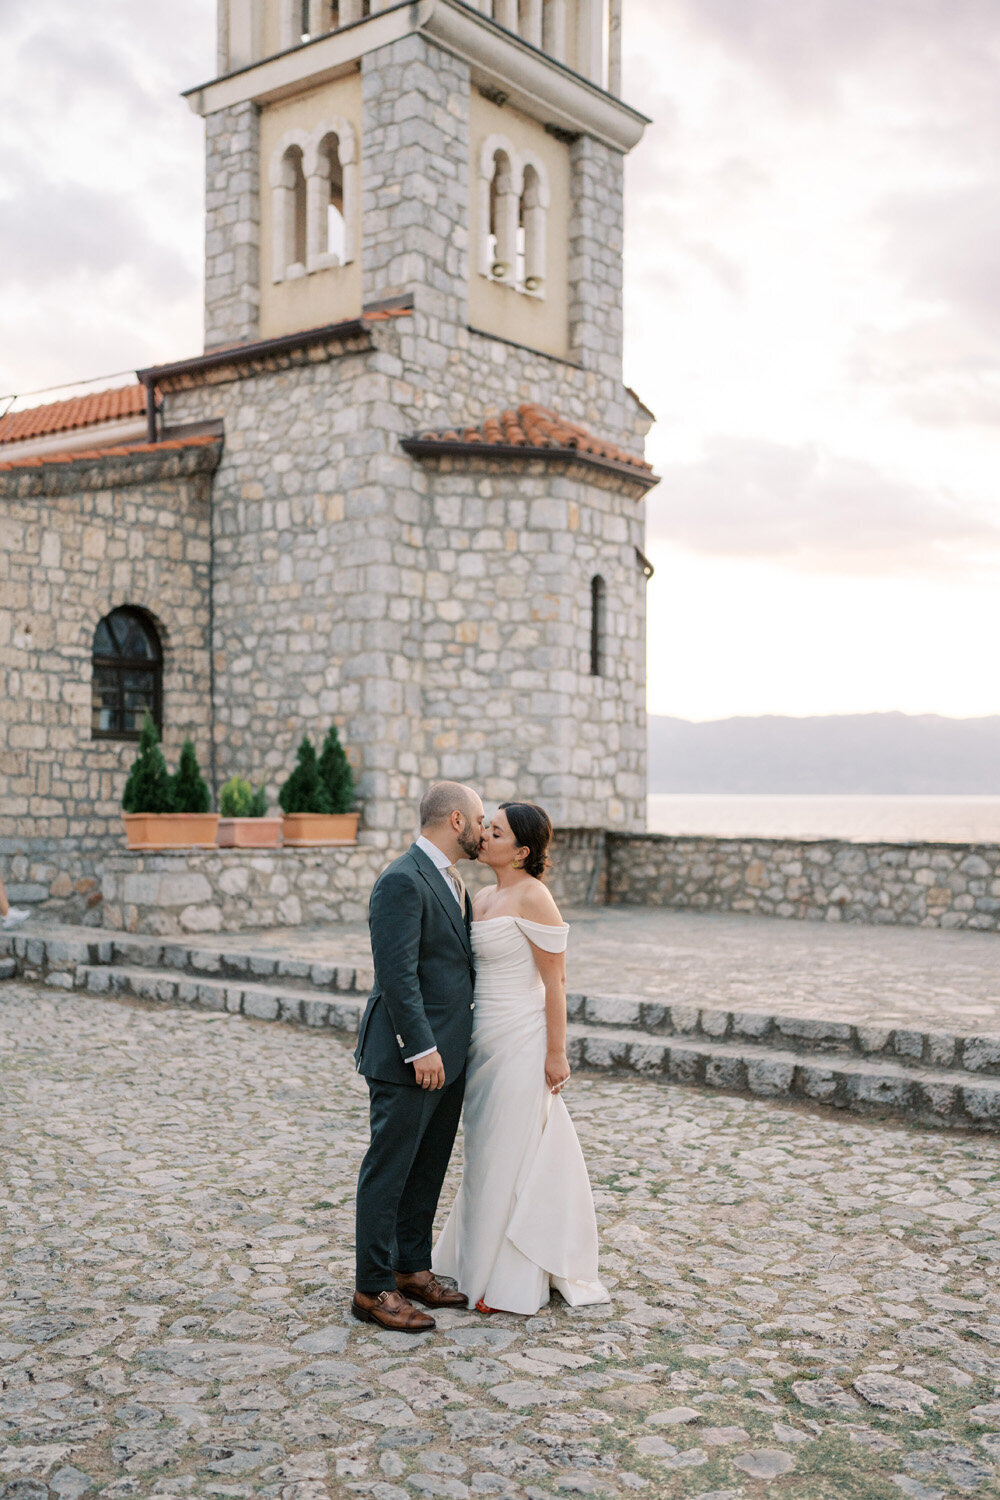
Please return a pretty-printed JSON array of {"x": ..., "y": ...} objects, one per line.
[
  {"x": 942, "y": 1051},
  {"x": 922, "y": 1094},
  {"x": 261, "y": 1002},
  {"x": 927, "y": 1095},
  {"x": 55, "y": 957},
  {"x": 48, "y": 955}
]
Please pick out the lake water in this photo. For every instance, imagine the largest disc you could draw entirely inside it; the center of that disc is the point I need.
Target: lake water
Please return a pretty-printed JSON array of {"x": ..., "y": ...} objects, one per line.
[{"x": 957, "y": 820}]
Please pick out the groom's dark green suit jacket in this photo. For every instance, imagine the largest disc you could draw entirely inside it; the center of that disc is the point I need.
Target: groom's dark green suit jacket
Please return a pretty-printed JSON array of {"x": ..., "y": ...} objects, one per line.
[{"x": 424, "y": 973}]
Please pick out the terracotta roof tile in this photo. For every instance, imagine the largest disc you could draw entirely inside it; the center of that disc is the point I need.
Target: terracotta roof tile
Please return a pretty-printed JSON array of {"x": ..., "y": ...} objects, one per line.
[
  {"x": 78, "y": 411},
  {"x": 533, "y": 426},
  {"x": 381, "y": 314},
  {"x": 124, "y": 450}
]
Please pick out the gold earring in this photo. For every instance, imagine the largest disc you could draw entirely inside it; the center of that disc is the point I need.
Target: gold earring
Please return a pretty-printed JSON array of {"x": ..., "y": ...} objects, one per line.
[{"x": 517, "y": 864}]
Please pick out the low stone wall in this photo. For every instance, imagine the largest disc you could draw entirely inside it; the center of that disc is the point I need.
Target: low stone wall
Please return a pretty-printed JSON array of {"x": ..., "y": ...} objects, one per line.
[
  {"x": 234, "y": 890},
  {"x": 925, "y": 885}
]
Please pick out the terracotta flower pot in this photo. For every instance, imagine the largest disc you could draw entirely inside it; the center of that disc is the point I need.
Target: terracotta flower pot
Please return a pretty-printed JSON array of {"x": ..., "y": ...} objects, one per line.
[
  {"x": 249, "y": 833},
  {"x": 311, "y": 830},
  {"x": 171, "y": 830}
]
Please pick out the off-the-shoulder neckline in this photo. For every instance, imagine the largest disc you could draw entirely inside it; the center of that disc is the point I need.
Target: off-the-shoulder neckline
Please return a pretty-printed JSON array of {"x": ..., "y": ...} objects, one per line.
[{"x": 509, "y": 917}]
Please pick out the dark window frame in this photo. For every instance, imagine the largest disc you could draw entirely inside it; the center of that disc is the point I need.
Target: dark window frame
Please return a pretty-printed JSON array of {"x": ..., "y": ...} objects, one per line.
[
  {"x": 598, "y": 625},
  {"x": 121, "y": 666}
]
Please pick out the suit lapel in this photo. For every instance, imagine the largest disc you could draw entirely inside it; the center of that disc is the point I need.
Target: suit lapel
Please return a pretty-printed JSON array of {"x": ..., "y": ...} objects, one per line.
[{"x": 442, "y": 891}]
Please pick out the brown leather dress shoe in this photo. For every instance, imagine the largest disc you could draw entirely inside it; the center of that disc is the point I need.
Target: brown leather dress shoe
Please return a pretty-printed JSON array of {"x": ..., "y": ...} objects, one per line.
[
  {"x": 391, "y": 1310},
  {"x": 423, "y": 1286}
]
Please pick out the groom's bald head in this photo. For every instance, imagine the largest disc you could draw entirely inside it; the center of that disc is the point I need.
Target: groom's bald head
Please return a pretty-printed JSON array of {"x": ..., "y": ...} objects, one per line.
[{"x": 445, "y": 797}]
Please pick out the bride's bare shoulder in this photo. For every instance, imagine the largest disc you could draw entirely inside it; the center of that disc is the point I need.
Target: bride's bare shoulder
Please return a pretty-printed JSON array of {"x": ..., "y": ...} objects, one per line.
[
  {"x": 537, "y": 904},
  {"x": 481, "y": 901}
]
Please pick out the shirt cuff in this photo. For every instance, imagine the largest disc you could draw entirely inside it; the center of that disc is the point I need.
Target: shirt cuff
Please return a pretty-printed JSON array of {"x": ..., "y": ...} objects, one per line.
[{"x": 418, "y": 1055}]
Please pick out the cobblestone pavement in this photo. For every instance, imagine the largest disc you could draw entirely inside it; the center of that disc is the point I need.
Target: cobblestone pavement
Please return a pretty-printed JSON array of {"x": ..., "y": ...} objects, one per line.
[
  {"x": 803, "y": 1305},
  {"x": 897, "y": 976}
]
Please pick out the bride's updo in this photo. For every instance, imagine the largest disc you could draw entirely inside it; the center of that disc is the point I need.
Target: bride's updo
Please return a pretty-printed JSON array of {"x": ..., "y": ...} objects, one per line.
[{"x": 532, "y": 828}]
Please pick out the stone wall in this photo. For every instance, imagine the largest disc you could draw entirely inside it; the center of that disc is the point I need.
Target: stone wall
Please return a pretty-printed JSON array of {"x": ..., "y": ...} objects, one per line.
[
  {"x": 509, "y": 700},
  {"x": 926, "y": 885},
  {"x": 232, "y": 226},
  {"x": 236, "y": 890},
  {"x": 78, "y": 539},
  {"x": 233, "y": 890},
  {"x": 440, "y": 616}
]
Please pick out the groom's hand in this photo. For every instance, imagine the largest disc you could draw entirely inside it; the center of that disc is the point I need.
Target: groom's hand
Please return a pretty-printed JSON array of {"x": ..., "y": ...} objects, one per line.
[{"x": 430, "y": 1071}]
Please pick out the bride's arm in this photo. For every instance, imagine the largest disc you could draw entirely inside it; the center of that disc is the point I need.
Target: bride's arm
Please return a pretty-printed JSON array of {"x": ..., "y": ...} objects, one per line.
[
  {"x": 541, "y": 908},
  {"x": 552, "y": 968}
]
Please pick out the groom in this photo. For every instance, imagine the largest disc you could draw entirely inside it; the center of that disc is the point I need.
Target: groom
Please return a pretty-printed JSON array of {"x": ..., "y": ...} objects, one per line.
[{"x": 412, "y": 1045}]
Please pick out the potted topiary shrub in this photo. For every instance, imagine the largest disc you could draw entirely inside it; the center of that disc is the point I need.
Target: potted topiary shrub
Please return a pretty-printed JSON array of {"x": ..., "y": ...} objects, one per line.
[
  {"x": 164, "y": 812},
  {"x": 244, "y": 823},
  {"x": 316, "y": 798}
]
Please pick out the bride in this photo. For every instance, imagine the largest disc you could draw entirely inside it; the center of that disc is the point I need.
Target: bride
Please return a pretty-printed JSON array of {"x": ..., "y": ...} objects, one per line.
[{"x": 523, "y": 1220}]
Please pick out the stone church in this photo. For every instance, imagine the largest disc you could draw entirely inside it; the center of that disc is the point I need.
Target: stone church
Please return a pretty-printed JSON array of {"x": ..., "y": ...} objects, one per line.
[{"x": 401, "y": 489}]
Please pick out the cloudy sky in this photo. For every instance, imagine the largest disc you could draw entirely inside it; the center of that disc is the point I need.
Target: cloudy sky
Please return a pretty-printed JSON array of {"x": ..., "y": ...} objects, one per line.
[{"x": 813, "y": 313}]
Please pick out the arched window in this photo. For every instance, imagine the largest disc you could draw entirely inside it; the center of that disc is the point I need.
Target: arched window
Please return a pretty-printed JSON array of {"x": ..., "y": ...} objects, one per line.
[
  {"x": 504, "y": 212},
  {"x": 598, "y": 598},
  {"x": 289, "y": 195},
  {"x": 328, "y": 220},
  {"x": 127, "y": 675},
  {"x": 533, "y": 201},
  {"x": 513, "y": 209},
  {"x": 314, "y": 185}
]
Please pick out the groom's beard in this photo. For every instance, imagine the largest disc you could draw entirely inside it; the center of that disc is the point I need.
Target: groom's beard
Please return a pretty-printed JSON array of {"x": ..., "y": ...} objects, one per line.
[{"x": 468, "y": 842}]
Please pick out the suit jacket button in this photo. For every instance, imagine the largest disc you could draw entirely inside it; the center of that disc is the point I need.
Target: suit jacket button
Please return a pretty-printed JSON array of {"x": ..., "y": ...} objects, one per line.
[
  {"x": 399, "y": 1039},
  {"x": 472, "y": 1006}
]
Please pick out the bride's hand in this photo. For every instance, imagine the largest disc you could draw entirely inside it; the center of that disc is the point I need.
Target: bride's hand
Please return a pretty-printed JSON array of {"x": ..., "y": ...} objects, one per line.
[{"x": 556, "y": 1071}]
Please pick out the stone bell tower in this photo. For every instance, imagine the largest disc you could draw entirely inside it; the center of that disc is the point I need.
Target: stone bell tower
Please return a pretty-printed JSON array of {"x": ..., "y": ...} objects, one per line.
[
  {"x": 428, "y": 518},
  {"x": 466, "y": 154}
]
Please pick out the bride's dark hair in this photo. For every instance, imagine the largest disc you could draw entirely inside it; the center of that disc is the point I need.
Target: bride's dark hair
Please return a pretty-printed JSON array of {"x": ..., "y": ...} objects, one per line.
[{"x": 532, "y": 828}]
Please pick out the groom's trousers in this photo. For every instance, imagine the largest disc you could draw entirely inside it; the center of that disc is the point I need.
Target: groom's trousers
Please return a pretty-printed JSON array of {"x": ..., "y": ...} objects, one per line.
[{"x": 412, "y": 1135}]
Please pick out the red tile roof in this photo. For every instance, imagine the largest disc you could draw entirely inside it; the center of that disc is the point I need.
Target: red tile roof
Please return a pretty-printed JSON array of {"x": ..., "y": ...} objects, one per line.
[
  {"x": 78, "y": 411},
  {"x": 124, "y": 450},
  {"x": 535, "y": 427}
]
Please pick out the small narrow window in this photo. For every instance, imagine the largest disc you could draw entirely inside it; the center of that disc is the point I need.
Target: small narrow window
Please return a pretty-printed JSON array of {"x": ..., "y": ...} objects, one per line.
[
  {"x": 127, "y": 680},
  {"x": 290, "y": 217},
  {"x": 504, "y": 211},
  {"x": 335, "y": 226},
  {"x": 597, "y": 625},
  {"x": 531, "y": 271}
]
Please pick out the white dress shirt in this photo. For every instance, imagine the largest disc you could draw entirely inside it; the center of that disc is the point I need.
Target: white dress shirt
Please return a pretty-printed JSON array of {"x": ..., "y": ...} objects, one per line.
[{"x": 442, "y": 862}]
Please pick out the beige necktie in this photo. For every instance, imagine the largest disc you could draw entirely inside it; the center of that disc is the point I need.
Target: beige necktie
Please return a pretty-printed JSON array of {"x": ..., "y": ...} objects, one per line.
[{"x": 452, "y": 870}]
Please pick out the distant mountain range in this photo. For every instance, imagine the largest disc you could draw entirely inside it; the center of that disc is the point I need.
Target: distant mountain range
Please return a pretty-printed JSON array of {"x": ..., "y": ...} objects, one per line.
[{"x": 880, "y": 754}]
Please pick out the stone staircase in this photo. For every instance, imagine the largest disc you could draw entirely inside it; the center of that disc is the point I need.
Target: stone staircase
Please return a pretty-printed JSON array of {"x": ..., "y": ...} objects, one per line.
[{"x": 935, "y": 1077}]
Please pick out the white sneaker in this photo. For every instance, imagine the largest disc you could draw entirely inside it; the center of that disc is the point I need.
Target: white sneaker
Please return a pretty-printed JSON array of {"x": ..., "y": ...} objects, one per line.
[{"x": 16, "y": 916}]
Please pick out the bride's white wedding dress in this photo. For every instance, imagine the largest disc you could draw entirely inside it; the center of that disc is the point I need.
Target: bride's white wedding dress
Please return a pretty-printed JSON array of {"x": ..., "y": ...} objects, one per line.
[{"x": 523, "y": 1220}]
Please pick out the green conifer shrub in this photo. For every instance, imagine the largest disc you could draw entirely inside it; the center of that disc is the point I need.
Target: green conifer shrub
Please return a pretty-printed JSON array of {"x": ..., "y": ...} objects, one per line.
[
  {"x": 235, "y": 798},
  {"x": 336, "y": 774},
  {"x": 191, "y": 795},
  {"x": 304, "y": 791},
  {"x": 148, "y": 788},
  {"x": 238, "y": 799}
]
